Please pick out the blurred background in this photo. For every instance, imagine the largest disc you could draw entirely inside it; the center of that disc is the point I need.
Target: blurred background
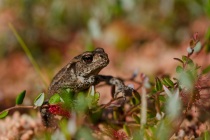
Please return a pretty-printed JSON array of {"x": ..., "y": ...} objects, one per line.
[{"x": 138, "y": 35}]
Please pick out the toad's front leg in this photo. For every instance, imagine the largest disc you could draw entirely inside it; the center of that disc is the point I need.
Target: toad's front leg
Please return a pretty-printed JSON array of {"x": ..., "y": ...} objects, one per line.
[{"x": 118, "y": 84}]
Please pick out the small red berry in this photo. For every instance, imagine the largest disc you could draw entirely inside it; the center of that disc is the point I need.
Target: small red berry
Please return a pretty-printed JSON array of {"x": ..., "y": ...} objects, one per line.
[{"x": 58, "y": 110}]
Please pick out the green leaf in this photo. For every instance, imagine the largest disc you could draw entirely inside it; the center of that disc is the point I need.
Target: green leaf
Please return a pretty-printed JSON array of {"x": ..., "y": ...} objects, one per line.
[
  {"x": 197, "y": 47},
  {"x": 174, "y": 107},
  {"x": 95, "y": 100},
  {"x": 4, "y": 114},
  {"x": 39, "y": 100},
  {"x": 188, "y": 61},
  {"x": 179, "y": 69},
  {"x": 158, "y": 84},
  {"x": 82, "y": 102},
  {"x": 184, "y": 58},
  {"x": 115, "y": 115},
  {"x": 167, "y": 81},
  {"x": 187, "y": 79},
  {"x": 136, "y": 98},
  {"x": 55, "y": 99},
  {"x": 206, "y": 70},
  {"x": 162, "y": 99},
  {"x": 189, "y": 50},
  {"x": 136, "y": 118},
  {"x": 133, "y": 101},
  {"x": 96, "y": 116},
  {"x": 127, "y": 130},
  {"x": 67, "y": 96},
  {"x": 97, "y": 96},
  {"x": 20, "y": 98},
  {"x": 91, "y": 91},
  {"x": 206, "y": 135},
  {"x": 167, "y": 91}
]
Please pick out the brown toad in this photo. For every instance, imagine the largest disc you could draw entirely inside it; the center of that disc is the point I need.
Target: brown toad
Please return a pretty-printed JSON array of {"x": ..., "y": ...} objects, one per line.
[{"x": 81, "y": 72}]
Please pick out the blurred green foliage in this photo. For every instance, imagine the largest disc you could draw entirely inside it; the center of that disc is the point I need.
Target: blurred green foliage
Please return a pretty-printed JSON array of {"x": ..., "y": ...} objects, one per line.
[{"x": 48, "y": 25}]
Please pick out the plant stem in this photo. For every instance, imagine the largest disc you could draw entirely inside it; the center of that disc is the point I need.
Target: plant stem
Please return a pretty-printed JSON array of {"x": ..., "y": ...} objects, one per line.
[
  {"x": 143, "y": 108},
  {"x": 18, "y": 107},
  {"x": 131, "y": 110},
  {"x": 29, "y": 55},
  {"x": 106, "y": 105},
  {"x": 110, "y": 102}
]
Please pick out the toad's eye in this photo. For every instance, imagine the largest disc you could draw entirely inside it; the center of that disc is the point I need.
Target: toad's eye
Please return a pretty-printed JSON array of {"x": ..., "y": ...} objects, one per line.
[{"x": 87, "y": 58}]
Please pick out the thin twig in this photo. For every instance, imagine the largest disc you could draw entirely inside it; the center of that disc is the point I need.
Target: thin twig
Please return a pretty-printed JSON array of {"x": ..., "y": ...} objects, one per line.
[
  {"x": 179, "y": 124},
  {"x": 29, "y": 55},
  {"x": 131, "y": 110},
  {"x": 19, "y": 107},
  {"x": 110, "y": 102},
  {"x": 127, "y": 123}
]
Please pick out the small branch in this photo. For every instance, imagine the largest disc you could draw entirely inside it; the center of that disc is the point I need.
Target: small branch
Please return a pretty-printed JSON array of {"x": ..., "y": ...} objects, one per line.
[
  {"x": 157, "y": 104},
  {"x": 190, "y": 54},
  {"x": 179, "y": 60},
  {"x": 110, "y": 102},
  {"x": 127, "y": 123},
  {"x": 19, "y": 107},
  {"x": 179, "y": 124},
  {"x": 131, "y": 110}
]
